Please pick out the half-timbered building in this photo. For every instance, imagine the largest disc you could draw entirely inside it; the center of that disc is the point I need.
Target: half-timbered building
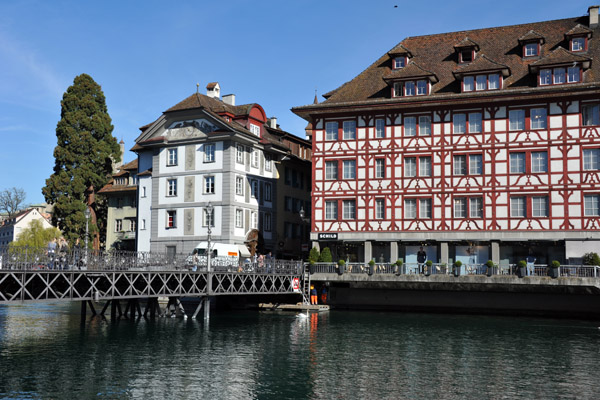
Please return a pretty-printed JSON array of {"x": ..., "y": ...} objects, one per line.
[{"x": 477, "y": 145}]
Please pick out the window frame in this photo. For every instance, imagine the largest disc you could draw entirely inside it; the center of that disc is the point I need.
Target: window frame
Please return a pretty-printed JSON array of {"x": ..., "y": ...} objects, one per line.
[
  {"x": 209, "y": 184},
  {"x": 380, "y": 130},
  {"x": 380, "y": 168},
  {"x": 410, "y": 205},
  {"x": 349, "y": 130},
  {"x": 536, "y": 210},
  {"x": 594, "y": 209},
  {"x": 254, "y": 159},
  {"x": 475, "y": 205},
  {"x": 331, "y": 210},
  {"x": 463, "y": 207},
  {"x": 531, "y": 45},
  {"x": 240, "y": 150},
  {"x": 239, "y": 218},
  {"x": 425, "y": 208},
  {"x": 520, "y": 113},
  {"x": 348, "y": 173},
  {"x": 209, "y": 152},
  {"x": 518, "y": 207},
  {"x": 542, "y": 119},
  {"x": 331, "y": 170},
  {"x": 171, "y": 219},
  {"x": 331, "y": 130},
  {"x": 536, "y": 166},
  {"x": 268, "y": 191},
  {"x": 399, "y": 62},
  {"x": 349, "y": 209},
  {"x": 595, "y": 114},
  {"x": 379, "y": 208},
  {"x": 590, "y": 159},
  {"x": 172, "y": 156},
  {"x": 578, "y": 39},
  {"x": 172, "y": 187},
  {"x": 239, "y": 185}
]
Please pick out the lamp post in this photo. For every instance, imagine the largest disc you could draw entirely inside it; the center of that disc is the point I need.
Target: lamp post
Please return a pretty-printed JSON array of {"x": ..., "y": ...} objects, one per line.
[
  {"x": 87, "y": 221},
  {"x": 209, "y": 211}
]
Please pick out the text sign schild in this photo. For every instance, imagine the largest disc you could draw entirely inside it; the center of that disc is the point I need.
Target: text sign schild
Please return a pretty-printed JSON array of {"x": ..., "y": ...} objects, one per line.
[{"x": 328, "y": 236}]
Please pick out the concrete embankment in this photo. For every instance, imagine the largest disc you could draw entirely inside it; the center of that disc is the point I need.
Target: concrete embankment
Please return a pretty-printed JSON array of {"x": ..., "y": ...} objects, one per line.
[{"x": 500, "y": 294}]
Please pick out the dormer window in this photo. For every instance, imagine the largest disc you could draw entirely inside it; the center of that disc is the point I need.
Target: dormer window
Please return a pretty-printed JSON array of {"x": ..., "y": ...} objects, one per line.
[
  {"x": 466, "y": 56},
  {"x": 531, "y": 50},
  {"x": 578, "y": 44},
  {"x": 481, "y": 82},
  {"x": 399, "y": 62},
  {"x": 559, "y": 75}
]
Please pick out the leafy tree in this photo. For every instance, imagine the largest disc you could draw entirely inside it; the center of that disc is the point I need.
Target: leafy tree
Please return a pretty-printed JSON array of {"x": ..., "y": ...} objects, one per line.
[
  {"x": 35, "y": 235},
  {"x": 313, "y": 255},
  {"x": 84, "y": 158},
  {"x": 591, "y": 259},
  {"x": 326, "y": 255},
  {"x": 11, "y": 201}
]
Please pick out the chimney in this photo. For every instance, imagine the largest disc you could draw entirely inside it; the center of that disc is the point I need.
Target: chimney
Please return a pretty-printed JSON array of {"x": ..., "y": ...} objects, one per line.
[
  {"x": 593, "y": 10},
  {"x": 213, "y": 90},
  {"x": 229, "y": 99},
  {"x": 117, "y": 166},
  {"x": 273, "y": 122}
]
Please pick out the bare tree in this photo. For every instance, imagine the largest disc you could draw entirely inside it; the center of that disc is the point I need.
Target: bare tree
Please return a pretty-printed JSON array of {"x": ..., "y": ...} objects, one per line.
[{"x": 12, "y": 201}]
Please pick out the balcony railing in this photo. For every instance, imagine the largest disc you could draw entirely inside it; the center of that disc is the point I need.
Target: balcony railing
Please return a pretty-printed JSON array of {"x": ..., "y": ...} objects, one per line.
[{"x": 580, "y": 271}]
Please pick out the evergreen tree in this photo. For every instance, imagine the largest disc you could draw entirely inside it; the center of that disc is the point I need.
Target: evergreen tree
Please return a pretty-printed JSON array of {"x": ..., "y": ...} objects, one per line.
[
  {"x": 84, "y": 158},
  {"x": 326, "y": 255},
  {"x": 313, "y": 255}
]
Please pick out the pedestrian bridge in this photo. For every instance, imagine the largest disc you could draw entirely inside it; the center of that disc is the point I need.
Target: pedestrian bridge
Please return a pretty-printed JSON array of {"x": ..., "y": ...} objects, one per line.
[{"x": 28, "y": 275}]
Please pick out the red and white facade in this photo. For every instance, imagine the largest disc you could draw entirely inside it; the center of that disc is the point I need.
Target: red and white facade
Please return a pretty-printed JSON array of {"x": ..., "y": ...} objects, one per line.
[{"x": 487, "y": 161}]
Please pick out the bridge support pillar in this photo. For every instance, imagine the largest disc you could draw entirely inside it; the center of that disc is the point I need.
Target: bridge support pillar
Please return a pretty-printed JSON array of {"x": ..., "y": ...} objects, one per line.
[
  {"x": 83, "y": 310},
  {"x": 113, "y": 310},
  {"x": 206, "y": 306}
]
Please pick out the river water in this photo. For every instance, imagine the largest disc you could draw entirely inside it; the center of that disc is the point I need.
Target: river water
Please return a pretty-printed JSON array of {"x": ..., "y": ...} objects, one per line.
[{"x": 46, "y": 353}]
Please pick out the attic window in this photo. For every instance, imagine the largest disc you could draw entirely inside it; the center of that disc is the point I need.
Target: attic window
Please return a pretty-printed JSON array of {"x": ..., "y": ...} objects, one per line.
[
  {"x": 531, "y": 50},
  {"x": 399, "y": 62},
  {"x": 466, "y": 56},
  {"x": 255, "y": 129},
  {"x": 578, "y": 44}
]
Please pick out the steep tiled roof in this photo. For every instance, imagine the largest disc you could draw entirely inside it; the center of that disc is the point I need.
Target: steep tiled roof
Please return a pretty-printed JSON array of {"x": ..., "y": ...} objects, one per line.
[
  {"x": 412, "y": 70},
  {"x": 559, "y": 56},
  {"x": 578, "y": 30},
  {"x": 465, "y": 43},
  {"x": 437, "y": 53},
  {"x": 482, "y": 64},
  {"x": 399, "y": 49},
  {"x": 531, "y": 36}
]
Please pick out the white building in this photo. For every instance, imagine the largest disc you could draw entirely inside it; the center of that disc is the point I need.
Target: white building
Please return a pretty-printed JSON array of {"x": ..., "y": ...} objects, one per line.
[
  {"x": 204, "y": 151},
  {"x": 11, "y": 228}
]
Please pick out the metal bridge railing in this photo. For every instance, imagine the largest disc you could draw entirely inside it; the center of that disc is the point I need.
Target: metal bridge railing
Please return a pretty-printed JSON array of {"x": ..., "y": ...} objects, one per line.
[
  {"x": 579, "y": 271},
  {"x": 28, "y": 258}
]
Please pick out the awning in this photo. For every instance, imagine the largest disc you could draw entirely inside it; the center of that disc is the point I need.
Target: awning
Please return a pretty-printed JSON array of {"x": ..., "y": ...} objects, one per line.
[{"x": 244, "y": 252}]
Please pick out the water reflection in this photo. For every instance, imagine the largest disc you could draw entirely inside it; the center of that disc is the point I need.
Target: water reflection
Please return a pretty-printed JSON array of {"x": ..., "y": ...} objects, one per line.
[{"x": 46, "y": 353}]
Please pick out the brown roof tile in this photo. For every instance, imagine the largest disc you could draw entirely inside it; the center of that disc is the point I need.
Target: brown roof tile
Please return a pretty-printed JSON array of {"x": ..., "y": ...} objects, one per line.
[
  {"x": 398, "y": 50},
  {"x": 436, "y": 53},
  {"x": 531, "y": 36},
  {"x": 465, "y": 43},
  {"x": 482, "y": 64},
  {"x": 579, "y": 30},
  {"x": 411, "y": 71},
  {"x": 559, "y": 56}
]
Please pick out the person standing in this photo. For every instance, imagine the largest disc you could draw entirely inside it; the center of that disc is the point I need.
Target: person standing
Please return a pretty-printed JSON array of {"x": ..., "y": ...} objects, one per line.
[
  {"x": 421, "y": 259},
  {"x": 77, "y": 254},
  {"x": 313, "y": 295},
  {"x": 530, "y": 264},
  {"x": 51, "y": 252}
]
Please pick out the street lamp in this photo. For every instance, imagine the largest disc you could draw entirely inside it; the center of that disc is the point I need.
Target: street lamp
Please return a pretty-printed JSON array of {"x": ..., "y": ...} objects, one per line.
[
  {"x": 209, "y": 211},
  {"x": 303, "y": 216}
]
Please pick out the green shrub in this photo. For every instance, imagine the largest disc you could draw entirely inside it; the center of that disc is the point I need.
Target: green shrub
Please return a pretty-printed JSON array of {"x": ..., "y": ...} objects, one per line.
[
  {"x": 326, "y": 255},
  {"x": 591, "y": 259},
  {"x": 314, "y": 255},
  {"x": 341, "y": 263},
  {"x": 489, "y": 264},
  {"x": 399, "y": 263},
  {"x": 372, "y": 262},
  {"x": 458, "y": 263},
  {"x": 522, "y": 264},
  {"x": 429, "y": 263},
  {"x": 555, "y": 264}
]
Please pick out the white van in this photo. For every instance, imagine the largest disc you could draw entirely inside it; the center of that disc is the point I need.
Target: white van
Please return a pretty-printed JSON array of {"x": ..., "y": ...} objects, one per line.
[{"x": 223, "y": 254}]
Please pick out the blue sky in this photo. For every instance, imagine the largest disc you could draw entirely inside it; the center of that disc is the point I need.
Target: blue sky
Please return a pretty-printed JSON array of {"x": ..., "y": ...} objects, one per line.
[{"x": 149, "y": 55}]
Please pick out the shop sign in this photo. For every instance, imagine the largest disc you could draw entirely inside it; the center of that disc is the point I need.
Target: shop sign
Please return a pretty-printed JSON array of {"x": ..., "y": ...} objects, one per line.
[{"x": 328, "y": 236}]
